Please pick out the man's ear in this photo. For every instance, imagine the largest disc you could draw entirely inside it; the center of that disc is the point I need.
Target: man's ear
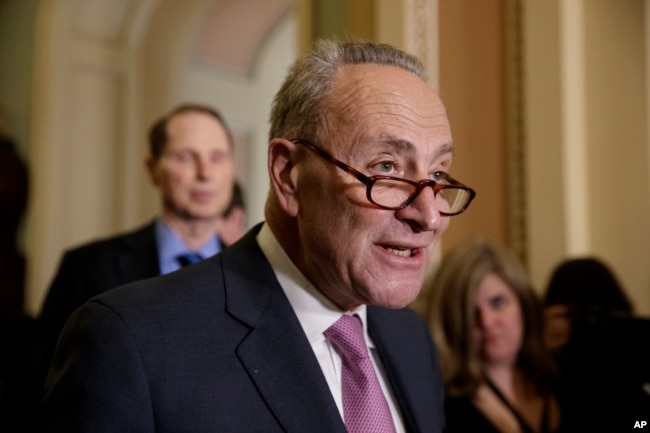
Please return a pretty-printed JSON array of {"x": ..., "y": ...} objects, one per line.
[
  {"x": 150, "y": 166},
  {"x": 284, "y": 174}
]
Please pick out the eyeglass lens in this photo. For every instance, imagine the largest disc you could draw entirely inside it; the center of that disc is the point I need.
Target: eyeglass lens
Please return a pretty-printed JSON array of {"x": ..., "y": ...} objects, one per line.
[{"x": 394, "y": 194}]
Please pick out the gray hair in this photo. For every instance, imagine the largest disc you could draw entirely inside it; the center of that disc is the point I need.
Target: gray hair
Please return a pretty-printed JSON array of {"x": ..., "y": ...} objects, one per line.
[{"x": 296, "y": 109}]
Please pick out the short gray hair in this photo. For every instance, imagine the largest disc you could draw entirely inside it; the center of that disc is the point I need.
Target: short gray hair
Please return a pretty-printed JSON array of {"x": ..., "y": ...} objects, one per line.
[{"x": 295, "y": 112}]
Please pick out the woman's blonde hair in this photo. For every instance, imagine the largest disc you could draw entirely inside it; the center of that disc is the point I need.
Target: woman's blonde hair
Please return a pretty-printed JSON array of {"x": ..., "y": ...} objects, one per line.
[{"x": 452, "y": 315}]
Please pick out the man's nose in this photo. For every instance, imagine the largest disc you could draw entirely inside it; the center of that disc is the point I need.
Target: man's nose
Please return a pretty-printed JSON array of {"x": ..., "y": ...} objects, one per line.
[
  {"x": 203, "y": 168},
  {"x": 423, "y": 211}
]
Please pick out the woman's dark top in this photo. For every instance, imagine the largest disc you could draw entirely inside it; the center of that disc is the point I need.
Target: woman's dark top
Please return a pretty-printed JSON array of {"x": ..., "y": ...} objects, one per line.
[{"x": 463, "y": 417}]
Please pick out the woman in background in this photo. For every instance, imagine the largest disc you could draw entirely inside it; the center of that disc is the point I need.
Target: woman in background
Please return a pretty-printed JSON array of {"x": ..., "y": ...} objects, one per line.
[{"x": 487, "y": 324}]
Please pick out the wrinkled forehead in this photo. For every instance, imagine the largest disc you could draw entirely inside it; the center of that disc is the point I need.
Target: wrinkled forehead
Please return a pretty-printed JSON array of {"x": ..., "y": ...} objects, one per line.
[{"x": 377, "y": 100}]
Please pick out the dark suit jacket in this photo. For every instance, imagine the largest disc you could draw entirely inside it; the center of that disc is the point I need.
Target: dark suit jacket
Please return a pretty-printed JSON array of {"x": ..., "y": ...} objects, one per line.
[
  {"x": 216, "y": 347},
  {"x": 84, "y": 272}
]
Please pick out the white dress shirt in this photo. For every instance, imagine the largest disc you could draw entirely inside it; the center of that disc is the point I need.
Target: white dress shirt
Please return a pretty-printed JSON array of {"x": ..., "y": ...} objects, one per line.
[{"x": 316, "y": 313}]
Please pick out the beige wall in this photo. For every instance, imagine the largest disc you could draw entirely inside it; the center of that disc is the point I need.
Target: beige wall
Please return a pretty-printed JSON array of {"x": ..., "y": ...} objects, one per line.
[
  {"x": 543, "y": 137},
  {"x": 616, "y": 141},
  {"x": 472, "y": 86},
  {"x": 587, "y": 137},
  {"x": 16, "y": 43}
]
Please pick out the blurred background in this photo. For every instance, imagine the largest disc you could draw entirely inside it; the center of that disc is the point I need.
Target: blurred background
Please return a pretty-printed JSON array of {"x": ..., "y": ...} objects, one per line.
[{"x": 548, "y": 102}]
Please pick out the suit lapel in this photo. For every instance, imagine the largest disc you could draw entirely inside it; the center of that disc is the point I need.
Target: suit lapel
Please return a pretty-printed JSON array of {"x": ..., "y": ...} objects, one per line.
[
  {"x": 276, "y": 352},
  {"x": 410, "y": 367}
]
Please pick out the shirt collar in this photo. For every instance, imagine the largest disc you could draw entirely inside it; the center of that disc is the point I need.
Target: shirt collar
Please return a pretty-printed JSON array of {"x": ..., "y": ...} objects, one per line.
[
  {"x": 170, "y": 246},
  {"x": 315, "y": 312}
]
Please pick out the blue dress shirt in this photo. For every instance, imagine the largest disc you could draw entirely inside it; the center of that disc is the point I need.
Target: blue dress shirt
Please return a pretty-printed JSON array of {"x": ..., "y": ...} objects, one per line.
[{"x": 171, "y": 246}]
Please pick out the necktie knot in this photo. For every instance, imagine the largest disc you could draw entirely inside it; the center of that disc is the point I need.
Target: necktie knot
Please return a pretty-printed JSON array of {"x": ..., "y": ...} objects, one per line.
[
  {"x": 346, "y": 334},
  {"x": 188, "y": 258}
]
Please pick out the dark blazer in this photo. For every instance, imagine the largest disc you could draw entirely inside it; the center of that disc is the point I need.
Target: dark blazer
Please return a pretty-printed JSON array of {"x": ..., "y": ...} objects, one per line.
[
  {"x": 84, "y": 272},
  {"x": 217, "y": 347}
]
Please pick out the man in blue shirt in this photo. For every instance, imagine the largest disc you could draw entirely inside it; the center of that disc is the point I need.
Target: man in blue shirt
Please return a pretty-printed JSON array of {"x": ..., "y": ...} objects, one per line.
[{"x": 191, "y": 164}]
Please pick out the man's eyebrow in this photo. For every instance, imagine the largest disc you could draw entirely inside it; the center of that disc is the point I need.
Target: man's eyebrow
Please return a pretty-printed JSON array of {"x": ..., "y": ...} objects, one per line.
[
  {"x": 401, "y": 145},
  {"x": 445, "y": 149},
  {"x": 398, "y": 145}
]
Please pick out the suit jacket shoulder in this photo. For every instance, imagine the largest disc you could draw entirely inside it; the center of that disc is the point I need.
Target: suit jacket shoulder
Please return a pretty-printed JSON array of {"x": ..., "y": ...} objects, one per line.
[
  {"x": 123, "y": 258},
  {"x": 215, "y": 346},
  {"x": 104, "y": 264}
]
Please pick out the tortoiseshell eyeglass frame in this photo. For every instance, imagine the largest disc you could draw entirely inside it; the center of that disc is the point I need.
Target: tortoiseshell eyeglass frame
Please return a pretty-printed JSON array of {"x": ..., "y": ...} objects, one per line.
[{"x": 369, "y": 181}]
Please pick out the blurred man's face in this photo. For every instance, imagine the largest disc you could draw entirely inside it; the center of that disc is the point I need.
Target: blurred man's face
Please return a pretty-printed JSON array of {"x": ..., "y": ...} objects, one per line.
[
  {"x": 382, "y": 120},
  {"x": 195, "y": 172}
]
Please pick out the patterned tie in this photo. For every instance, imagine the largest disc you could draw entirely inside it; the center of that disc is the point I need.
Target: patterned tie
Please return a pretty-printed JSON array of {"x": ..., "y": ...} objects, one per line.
[
  {"x": 364, "y": 405},
  {"x": 188, "y": 258}
]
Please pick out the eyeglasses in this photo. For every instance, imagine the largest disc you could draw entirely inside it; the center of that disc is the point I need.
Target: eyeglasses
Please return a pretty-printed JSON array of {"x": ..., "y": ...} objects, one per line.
[{"x": 393, "y": 193}]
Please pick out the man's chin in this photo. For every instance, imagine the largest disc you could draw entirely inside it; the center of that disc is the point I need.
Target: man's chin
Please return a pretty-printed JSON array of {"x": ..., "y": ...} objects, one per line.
[
  {"x": 201, "y": 217},
  {"x": 398, "y": 298}
]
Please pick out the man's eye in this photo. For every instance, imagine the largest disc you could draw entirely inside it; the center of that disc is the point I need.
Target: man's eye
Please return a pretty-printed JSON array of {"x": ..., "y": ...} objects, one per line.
[
  {"x": 218, "y": 156},
  {"x": 385, "y": 167},
  {"x": 439, "y": 176},
  {"x": 181, "y": 156}
]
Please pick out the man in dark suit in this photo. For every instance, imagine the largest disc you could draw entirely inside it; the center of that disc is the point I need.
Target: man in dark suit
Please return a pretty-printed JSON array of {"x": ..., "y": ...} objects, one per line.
[
  {"x": 244, "y": 341},
  {"x": 191, "y": 163}
]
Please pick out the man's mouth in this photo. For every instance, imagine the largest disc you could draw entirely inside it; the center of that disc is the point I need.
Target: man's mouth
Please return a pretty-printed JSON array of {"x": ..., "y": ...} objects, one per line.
[
  {"x": 202, "y": 195},
  {"x": 402, "y": 252}
]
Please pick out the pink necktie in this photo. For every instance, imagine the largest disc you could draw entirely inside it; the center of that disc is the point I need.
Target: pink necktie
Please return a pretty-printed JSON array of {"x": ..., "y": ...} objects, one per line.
[{"x": 364, "y": 405}]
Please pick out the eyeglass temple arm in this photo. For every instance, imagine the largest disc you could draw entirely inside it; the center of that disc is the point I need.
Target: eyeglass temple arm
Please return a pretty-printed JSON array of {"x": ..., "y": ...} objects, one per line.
[{"x": 340, "y": 164}]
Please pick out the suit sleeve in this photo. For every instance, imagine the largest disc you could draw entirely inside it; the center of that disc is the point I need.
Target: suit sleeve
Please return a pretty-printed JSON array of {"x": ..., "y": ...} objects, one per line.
[{"x": 97, "y": 382}]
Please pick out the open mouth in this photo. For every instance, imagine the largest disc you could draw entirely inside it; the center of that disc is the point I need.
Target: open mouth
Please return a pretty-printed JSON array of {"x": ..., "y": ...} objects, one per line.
[{"x": 402, "y": 252}]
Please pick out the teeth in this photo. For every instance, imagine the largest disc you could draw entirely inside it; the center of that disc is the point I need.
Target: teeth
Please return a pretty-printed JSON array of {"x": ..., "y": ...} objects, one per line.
[{"x": 400, "y": 252}]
